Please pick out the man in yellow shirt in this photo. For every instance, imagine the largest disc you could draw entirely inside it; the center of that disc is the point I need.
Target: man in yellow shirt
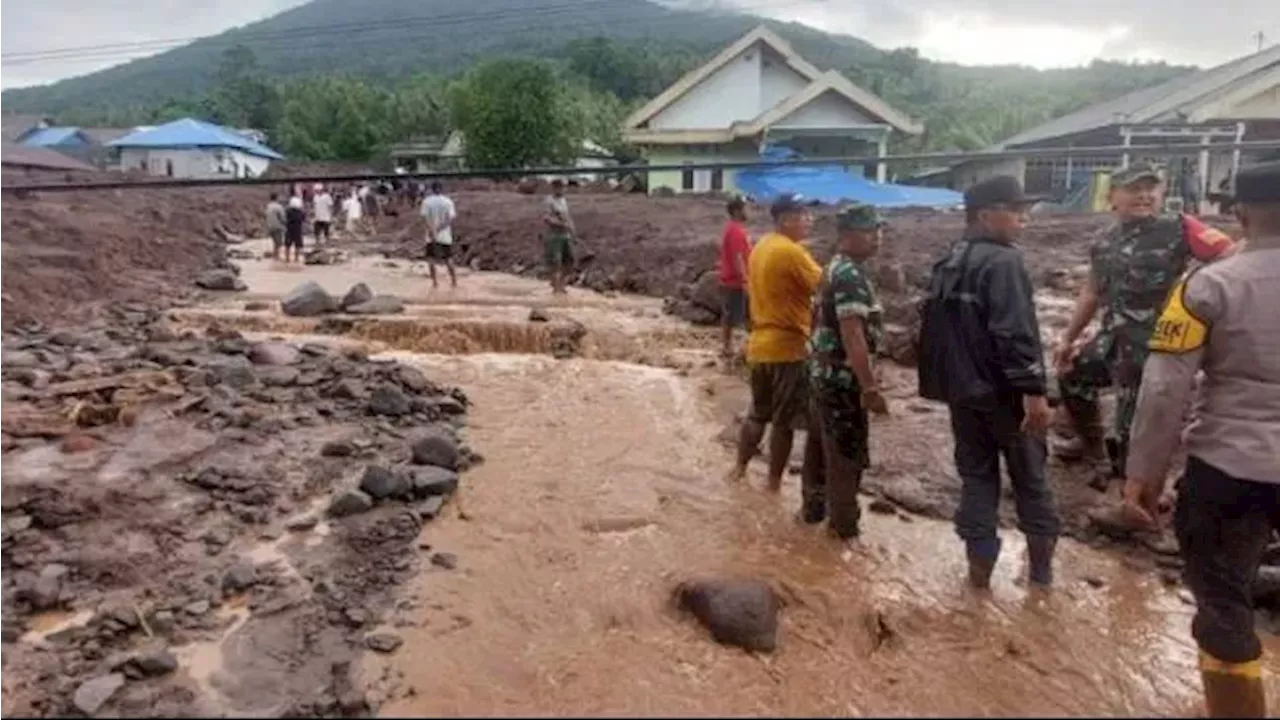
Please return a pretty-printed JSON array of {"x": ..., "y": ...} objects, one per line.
[{"x": 782, "y": 276}]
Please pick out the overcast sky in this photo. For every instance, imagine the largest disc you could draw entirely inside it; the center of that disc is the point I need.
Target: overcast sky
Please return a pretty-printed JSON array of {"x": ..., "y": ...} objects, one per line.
[{"x": 1040, "y": 33}]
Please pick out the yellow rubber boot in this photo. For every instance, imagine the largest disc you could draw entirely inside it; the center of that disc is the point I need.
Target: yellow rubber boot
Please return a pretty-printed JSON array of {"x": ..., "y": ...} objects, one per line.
[{"x": 1232, "y": 690}]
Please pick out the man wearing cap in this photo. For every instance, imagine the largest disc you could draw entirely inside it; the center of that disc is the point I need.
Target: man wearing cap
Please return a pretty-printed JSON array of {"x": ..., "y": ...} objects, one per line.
[
  {"x": 1220, "y": 319},
  {"x": 1131, "y": 270},
  {"x": 848, "y": 328},
  {"x": 980, "y": 353},
  {"x": 735, "y": 248},
  {"x": 782, "y": 276}
]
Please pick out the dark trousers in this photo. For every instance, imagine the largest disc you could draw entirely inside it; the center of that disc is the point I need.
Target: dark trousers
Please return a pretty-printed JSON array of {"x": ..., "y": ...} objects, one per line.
[
  {"x": 1223, "y": 525},
  {"x": 840, "y": 422},
  {"x": 984, "y": 432}
]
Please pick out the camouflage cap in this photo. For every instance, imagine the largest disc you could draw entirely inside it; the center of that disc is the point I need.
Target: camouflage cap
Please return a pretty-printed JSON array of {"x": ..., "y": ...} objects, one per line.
[
  {"x": 1134, "y": 173},
  {"x": 858, "y": 217}
]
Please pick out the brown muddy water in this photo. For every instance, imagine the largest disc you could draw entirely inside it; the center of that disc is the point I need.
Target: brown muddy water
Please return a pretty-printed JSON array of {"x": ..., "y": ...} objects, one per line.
[{"x": 602, "y": 488}]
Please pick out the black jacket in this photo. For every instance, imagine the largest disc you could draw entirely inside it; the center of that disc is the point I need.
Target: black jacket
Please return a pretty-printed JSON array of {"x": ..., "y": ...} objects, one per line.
[{"x": 979, "y": 337}]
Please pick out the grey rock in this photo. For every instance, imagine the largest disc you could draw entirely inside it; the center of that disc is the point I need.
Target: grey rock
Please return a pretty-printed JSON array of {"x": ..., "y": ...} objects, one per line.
[
  {"x": 383, "y": 642},
  {"x": 880, "y": 506},
  {"x": 432, "y": 480},
  {"x": 273, "y": 353},
  {"x": 436, "y": 447},
  {"x": 412, "y": 379},
  {"x": 257, "y": 306},
  {"x": 220, "y": 279},
  {"x": 359, "y": 293},
  {"x": 16, "y": 522},
  {"x": 301, "y": 523},
  {"x": 349, "y": 502},
  {"x": 743, "y": 613},
  {"x": 450, "y": 405},
  {"x": 342, "y": 447},
  {"x": 93, "y": 694},
  {"x": 380, "y": 483},
  {"x": 380, "y": 305},
  {"x": 198, "y": 607},
  {"x": 538, "y": 315},
  {"x": 163, "y": 621},
  {"x": 389, "y": 400},
  {"x": 47, "y": 589},
  {"x": 155, "y": 663},
  {"x": 445, "y": 560},
  {"x": 308, "y": 300},
  {"x": 356, "y": 616},
  {"x": 347, "y": 389},
  {"x": 239, "y": 577},
  {"x": 19, "y": 358},
  {"x": 278, "y": 376},
  {"x": 430, "y": 508}
]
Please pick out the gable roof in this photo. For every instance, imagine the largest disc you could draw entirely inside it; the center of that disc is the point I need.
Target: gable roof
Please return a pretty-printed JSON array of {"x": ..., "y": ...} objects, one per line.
[
  {"x": 1170, "y": 100},
  {"x": 44, "y": 137},
  {"x": 189, "y": 132},
  {"x": 41, "y": 158},
  {"x": 819, "y": 83},
  {"x": 104, "y": 135}
]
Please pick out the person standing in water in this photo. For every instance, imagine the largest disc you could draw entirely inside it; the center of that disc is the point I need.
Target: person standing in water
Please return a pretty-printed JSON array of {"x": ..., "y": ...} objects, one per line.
[{"x": 558, "y": 243}]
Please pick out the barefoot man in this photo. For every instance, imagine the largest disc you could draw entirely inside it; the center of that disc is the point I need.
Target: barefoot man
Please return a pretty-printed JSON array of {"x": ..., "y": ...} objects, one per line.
[
  {"x": 735, "y": 248},
  {"x": 558, "y": 251},
  {"x": 439, "y": 213},
  {"x": 782, "y": 276}
]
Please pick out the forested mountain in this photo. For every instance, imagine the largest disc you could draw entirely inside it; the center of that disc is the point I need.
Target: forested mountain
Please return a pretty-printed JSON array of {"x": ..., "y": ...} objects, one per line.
[{"x": 627, "y": 49}]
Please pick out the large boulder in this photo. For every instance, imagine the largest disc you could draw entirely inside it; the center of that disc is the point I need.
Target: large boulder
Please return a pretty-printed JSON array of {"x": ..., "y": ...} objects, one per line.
[
  {"x": 359, "y": 293},
  {"x": 743, "y": 613},
  {"x": 707, "y": 292},
  {"x": 436, "y": 447},
  {"x": 308, "y": 300},
  {"x": 220, "y": 279},
  {"x": 273, "y": 353},
  {"x": 380, "y": 305}
]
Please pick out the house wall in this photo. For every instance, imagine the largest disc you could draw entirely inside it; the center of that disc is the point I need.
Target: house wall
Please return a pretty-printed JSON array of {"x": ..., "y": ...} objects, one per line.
[
  {"x": 1265, "y": 104},
  {"x": 777, "y": 81},
  {"x": 828, "y": 110},
  {"x": 193, "y": 162},
  {"x": 731, "y": 94},
  {"x": 967, "y": 174},
  {"x": 673, "y": 155}
]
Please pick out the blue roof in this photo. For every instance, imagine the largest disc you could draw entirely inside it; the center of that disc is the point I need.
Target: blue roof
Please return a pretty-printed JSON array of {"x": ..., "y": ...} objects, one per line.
[
  {"x": 189, "y": 132},
  {"x": 44, "y": 137},
  {"x": 832, "y": 184}
]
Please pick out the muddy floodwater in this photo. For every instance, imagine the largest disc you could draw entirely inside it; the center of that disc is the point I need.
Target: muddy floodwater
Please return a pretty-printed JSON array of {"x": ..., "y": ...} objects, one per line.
[{"x": 603, "y": 487}]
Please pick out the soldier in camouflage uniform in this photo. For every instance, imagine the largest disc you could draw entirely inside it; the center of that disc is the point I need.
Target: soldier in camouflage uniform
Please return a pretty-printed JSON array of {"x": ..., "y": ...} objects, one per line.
[
  {"x": 1131, "y": 270},
  {"x": 848, "y": 329}
]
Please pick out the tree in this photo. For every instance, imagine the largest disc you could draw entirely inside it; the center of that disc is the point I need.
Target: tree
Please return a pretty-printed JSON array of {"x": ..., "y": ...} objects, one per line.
[
  {"x": 242, "y": 96},
  {"x": 512, "y": 114}
]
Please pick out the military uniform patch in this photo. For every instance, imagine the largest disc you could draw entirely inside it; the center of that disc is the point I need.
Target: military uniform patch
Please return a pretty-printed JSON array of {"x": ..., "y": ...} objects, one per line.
[{"x": 1177, "y": 330}]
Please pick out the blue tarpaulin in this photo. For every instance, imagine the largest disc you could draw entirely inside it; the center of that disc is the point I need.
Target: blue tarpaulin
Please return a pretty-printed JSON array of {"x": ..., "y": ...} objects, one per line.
[{"x": 833, "y": 185}]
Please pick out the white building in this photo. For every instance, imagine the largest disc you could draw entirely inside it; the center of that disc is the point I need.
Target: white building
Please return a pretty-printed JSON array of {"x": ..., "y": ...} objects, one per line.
[
  {"x": 759, "y": 91},
  {"x": 190, "y": 148}
]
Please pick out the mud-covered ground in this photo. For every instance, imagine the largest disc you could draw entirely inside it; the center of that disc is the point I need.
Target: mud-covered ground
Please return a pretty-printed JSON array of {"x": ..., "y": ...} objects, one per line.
[{"x": 197, "y": 524}]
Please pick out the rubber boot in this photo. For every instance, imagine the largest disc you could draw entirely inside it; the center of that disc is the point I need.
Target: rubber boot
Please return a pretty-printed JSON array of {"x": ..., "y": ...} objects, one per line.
[
  {"x": 1086, "y": 420},
  {"x": 1232, "y": 690},
  {"x": 1040, "y": 559},
  {"x": 982, "y": 556}
]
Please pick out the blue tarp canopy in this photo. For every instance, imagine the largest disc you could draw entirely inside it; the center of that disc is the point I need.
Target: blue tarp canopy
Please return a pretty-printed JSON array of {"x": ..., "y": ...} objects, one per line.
[
  {"x": 193, "y": 133},
  {"x": 833, "y": 185}
]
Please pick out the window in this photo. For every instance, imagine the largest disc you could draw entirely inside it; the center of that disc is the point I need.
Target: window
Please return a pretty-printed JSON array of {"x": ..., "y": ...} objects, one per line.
[
  {"x": 717, "y": 180},
  {"x": 686, "y": 180}
]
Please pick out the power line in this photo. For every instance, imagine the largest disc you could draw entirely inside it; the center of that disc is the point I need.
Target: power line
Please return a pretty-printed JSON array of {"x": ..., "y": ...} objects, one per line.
[{"x": 943, "y": 157}]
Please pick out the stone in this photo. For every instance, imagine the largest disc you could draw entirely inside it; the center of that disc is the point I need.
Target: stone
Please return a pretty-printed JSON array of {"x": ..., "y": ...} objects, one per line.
[
  {"x": 95, "y": 693},
  {"x": 301, "y": 523},
  {"x": 347, "y": 389},
  {"x": 383, "y": 642},
  {"x": 412, "y": 379},
  {"x": 900, "y": 344},
  {"x": 430, "y": 508},
  {"x": 707, "y": 293},
  {"x": 880, "y": 506},
  {"x": 743, "y": 613},
  {"x": 389, "y": 400},
  {"x": 220, "y": 279},
  {"x": 380, "y": 483},
  {"x": 349, "y": 502},
  {"x": 19, "y": 358},
  {"x": 450, "y": 405},
  {"x": 432, "y": 480},
  {"x": 436, "y": 447},
  {"x": 359, "y": 293},
  {"x": 163, "y": 621},
  {"x": 342, "y": 447},
  {"x": 538, "y": 315},
  {"x": 380, "y": 305},
  {"x": 47, "y": 590},
  {"x": 273, "y": 353},
  {"x": 198, "y": 607},
  {"x": 78, "y": 442},
  {"x": 155, "y": 663},
  {"x": 308, "y": 300},
  {"x": 16, "y": 522},
  {"x": 239, "y": 577},
  {"x": 278, "y": 376},
  {"x": 356, "y": 616},
  {"x": 445, "y": 560},
  {"x": 257, "y": 306}
]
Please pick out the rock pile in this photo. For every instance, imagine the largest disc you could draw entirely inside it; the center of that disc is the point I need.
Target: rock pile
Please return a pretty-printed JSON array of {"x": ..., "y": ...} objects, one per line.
[{"x": 311, "y": 300}]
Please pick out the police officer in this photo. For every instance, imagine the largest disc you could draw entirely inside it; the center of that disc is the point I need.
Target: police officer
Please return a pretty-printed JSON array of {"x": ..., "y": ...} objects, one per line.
[
  {"x": 980, "y": 353},
  {"x": 848, "y": 329},
  {"x": 1222, "y": 319},
  {"x": 1131, "y": 270}
]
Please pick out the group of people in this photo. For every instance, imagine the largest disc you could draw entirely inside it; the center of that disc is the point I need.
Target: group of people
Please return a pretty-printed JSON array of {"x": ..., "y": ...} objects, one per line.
[
  {"x": 287, "y": 222},
  {"x": 1177, "y": 298}
]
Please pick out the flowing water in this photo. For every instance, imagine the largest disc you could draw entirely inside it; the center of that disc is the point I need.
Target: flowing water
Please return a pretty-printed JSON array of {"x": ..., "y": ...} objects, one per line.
[{"x": 602, "y": 488}]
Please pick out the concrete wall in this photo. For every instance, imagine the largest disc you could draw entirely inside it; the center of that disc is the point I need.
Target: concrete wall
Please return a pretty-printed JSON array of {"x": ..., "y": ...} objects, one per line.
[
  {"x": 730, "y": 94},
  {"x": 193, "y": 162},
  {"x": 1265, "y": 104},
  {"x": 741, "y": 152},
  {"x": 828, "y": 110},
  {"x": 967, "y": 174},
  {"x": 777, "y": 81}
]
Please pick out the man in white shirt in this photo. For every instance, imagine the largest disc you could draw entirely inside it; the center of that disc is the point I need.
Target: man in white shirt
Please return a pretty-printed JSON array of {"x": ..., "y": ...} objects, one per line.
[
  {"x": 322, "y": 212},
  {"x": 354, "y": 210},
  {"x": 439, "y": 213}
]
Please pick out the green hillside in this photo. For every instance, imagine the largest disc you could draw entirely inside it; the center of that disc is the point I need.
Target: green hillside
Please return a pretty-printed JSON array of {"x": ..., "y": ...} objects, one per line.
[{"x": 386, "y": 43}]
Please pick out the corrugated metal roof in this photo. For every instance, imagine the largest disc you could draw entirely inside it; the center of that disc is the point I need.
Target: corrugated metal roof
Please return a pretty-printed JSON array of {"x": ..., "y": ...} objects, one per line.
[
  {"x": 45, "y": 137},
  {"x": 1160, "y": 103},
  {"x": 38, "y": 157},
  {"x": 12, "y": 125},
  {"x": 190, "y": 132},
  {"x": 104, "y": 135}
]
